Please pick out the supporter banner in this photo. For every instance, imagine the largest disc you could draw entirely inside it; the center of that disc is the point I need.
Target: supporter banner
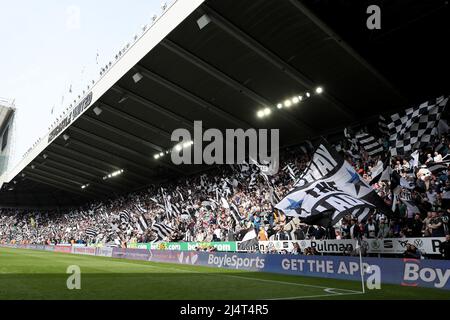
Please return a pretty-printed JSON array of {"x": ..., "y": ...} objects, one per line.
[
  {"x": 429, "y": 246},
  {"x": 326, "y": 246},
  {"x": 186, "y": 246},
  {"x": 398, "y": 246}
]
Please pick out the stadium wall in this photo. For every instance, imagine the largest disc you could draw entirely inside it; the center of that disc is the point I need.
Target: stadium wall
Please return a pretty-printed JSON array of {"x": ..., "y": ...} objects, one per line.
[{"x": 403, "y": 272}]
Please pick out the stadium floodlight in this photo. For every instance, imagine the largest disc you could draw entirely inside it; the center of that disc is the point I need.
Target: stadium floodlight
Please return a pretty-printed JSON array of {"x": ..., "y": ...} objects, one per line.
[
  {"x": 280, "y": 106},
  {"x": 179, "y": 147},
  {"x": 144, "y": 27},
  {"x": 308, "y": 95},
  {"x": 295, "y": 100},
  {"x": 161, "y": 154},
  {"x": 66, "y": 137},
  {"x": 156, "y": 156},
  {"x": 85, "y": 186},
  {"x": 98, "y": 111},
  {"x": 260, "y": 114},
  {"x": 113, "y": 175},
  {"x": 300, "y": 98},
  {"x": 154, "y": 18},
  {"x": 203, "y": 21},
  {"x": 164, "y": 6},
  {"x": 319, "y": 90},
  {"x": 267, "y": 111},
  {"x": 137, "y": 77},
  {"x": 288, "y": 103}
]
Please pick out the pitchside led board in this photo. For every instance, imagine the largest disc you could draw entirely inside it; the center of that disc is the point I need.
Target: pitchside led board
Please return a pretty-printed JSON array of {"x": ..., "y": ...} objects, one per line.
[{"x": 7, "y": 116}]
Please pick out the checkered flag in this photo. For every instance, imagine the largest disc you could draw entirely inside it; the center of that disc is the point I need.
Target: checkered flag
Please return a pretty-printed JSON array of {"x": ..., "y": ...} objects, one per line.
[{"x": 414, "y": 128}]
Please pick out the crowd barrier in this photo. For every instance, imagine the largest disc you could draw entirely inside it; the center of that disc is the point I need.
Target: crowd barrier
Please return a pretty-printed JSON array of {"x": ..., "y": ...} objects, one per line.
[{"x": 404, "y": 272}]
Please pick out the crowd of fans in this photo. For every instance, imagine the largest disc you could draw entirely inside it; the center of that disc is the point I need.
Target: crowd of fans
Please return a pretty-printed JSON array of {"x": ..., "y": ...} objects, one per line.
[{"x": 225, "y": 202}]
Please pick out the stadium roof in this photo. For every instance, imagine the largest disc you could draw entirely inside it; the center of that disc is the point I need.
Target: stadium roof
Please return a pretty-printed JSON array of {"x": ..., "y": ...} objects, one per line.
[{"x": 215, "y": 61}]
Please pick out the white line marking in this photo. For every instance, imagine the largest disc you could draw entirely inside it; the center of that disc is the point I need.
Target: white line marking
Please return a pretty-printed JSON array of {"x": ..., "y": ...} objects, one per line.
[{"x": 316, "y": 296}]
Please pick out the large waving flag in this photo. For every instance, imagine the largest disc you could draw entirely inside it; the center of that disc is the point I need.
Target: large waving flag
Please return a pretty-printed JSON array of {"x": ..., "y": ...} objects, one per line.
[
  {"x": 329, "y": 189},
  {"x": 415, "y": 127}
]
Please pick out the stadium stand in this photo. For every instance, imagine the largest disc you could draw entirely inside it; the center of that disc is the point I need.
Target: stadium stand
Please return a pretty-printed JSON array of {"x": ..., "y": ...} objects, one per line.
[
  {"x": 226, "y": 202},
  {"x": 215, "y": 61}
]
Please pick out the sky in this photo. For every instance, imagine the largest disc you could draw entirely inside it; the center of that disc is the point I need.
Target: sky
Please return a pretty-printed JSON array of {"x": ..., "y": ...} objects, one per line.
[{"x": 48, "y": 46}]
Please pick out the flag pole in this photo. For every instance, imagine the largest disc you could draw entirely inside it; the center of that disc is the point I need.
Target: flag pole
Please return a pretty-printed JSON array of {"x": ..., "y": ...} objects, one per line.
[{"x": 361, "y": 266}]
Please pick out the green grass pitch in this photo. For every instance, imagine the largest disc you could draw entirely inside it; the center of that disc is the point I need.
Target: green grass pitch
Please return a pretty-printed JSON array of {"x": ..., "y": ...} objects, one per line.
[{"x": 36, "y": 275}]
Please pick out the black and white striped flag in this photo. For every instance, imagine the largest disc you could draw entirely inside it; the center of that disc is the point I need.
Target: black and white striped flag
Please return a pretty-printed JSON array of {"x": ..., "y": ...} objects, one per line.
[
  {"x": 125, "y": 216},
  {"x": 162, "y": 230},
  {"x": 292, "y": 171},
  {"x": 140, "y": 208},
  {"x": 91, "y": 232},
  {"x": 382, "y": 126},
  {"x": 369, "y": 144},
  {"x": 142, "y": 224},
  {"x": 167, "y": 205},
  {"x": 235, "y": 213},
  {"x": 253, "y": 180}
]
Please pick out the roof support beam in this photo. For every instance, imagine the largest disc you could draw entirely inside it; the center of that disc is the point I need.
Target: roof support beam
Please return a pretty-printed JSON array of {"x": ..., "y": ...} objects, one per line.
[
  {"x": 91, "y": 160},
  {"x": 57, "y": 184},
  {"x": 68, "y": 181},
  {"x": 92, "y": 178},
  {"x": 134, "y": 138},
  {"x": 192, "y": 97},
  {"x": 123, "y": 133},
  {"x": 132, "y": 152},
  {"x": 134, "y": 120},
  {"x": 65, "y": 173},
  {"x": 272, "y": 58},
  {"x": 188, "y": 124},
  {"x": 106, "y": 142},
  {"x": 221, "y": 76},
  {"x": 138, "y": 173}
]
